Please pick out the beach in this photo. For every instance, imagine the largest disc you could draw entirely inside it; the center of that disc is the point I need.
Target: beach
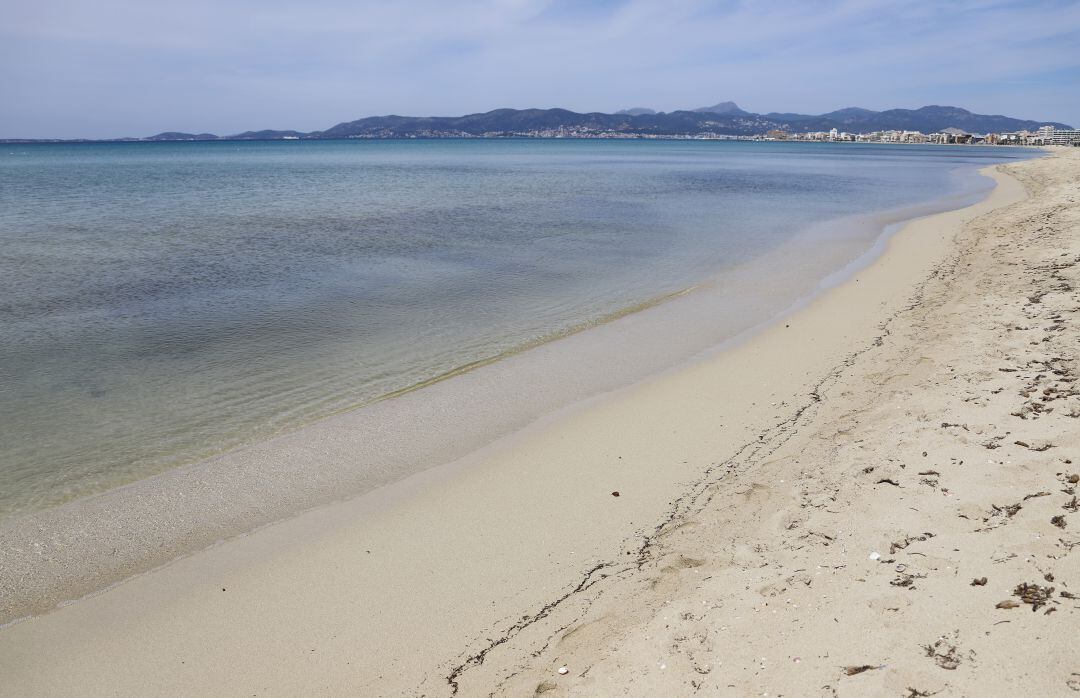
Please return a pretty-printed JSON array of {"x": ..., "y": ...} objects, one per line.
[{"x": 808, "y": 510}]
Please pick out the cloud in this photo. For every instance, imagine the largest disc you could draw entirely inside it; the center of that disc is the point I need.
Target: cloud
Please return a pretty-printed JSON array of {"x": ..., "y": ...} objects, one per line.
[{"x": 120, "y": 67}]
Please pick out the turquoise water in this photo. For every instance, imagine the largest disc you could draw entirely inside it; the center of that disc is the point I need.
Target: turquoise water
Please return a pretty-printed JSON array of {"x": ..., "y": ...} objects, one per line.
[{"x": 162, "y": 302}]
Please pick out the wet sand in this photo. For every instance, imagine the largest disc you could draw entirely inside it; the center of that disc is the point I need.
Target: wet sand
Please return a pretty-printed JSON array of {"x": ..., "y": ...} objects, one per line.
[{"x": 490, "y": 573}]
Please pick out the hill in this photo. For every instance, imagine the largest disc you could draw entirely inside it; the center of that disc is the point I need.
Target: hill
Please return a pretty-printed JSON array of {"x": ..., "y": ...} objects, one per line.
[{"x": 724, "y": 118}]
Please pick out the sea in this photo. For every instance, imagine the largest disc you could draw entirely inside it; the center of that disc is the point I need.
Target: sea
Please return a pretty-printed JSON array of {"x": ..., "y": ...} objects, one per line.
[{"x": 161, "y": 303}]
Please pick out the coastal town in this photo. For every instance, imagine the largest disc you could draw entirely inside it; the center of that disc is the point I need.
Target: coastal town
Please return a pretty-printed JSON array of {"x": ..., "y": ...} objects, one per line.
[
  {"x": 1046, "y": 135},
  {"x": 932, "y": 124}
]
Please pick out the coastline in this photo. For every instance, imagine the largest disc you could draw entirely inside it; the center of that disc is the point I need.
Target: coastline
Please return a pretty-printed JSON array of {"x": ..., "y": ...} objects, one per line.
[
  {"x": 209, "y": 382},
  {"x": 913, "y": 533},
  {"x": 63, "y": 553},
  {"x": 419, "y": 552}
]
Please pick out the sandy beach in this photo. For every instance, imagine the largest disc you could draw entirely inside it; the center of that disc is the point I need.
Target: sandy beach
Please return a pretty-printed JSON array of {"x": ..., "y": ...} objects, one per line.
[{"x": 875, "y": 495}]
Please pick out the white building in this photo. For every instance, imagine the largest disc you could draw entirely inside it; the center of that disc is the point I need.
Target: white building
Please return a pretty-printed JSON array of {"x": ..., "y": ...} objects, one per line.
[{"x": 1062, "y": 137}]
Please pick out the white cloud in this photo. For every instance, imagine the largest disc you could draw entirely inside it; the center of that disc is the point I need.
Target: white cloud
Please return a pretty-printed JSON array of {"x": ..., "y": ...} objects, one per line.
[{"x": 119, "y": 67}]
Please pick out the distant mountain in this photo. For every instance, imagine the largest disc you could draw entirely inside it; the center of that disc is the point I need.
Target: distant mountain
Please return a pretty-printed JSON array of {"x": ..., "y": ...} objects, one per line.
[
  {"x": 177, "y": 136},
  {"x": 929, "y": 119},
  {"x": 849, "y": 114},
  {"x": 729, "y": 121},
  {"x": 245, "y": 136},
  {"x": 721, "y": 108},
  {"x": 266, "y": 135},
  {"x": 725, "y": 118}
]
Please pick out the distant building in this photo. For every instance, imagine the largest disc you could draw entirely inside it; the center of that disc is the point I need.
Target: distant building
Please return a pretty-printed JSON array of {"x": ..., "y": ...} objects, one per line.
[
  {"x": 952, "y": 135},
  {"x": 1063, "y": 137}
]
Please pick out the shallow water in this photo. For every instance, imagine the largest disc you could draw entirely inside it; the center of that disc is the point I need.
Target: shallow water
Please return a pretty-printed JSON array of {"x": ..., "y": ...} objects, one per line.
[{"x": 163, "y": 302}]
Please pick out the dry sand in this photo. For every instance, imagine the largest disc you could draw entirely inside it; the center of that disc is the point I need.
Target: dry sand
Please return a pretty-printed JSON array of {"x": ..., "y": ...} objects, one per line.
[
  {"x": 903, "y": 413},
  {"x": 911, "y": 534}
]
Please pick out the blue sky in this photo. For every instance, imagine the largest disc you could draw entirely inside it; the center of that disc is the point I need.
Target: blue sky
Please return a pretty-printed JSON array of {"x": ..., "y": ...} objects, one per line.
[{"x": 75, "y": 68}]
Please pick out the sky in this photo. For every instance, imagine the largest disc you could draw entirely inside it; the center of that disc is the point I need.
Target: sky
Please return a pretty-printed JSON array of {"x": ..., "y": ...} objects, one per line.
[{"x": 111, "y": 68}]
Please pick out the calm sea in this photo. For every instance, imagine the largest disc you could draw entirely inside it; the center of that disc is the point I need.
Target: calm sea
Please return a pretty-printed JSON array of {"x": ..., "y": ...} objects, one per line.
[{"x": 160, "y": 303}]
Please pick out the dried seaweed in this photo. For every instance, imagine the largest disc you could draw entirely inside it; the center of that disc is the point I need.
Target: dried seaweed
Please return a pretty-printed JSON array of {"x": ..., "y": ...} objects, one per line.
[
  {"x": 1034, "y": 595},
  {"x": 944, "y": 654},
  {"x": 853, "y": 670}
]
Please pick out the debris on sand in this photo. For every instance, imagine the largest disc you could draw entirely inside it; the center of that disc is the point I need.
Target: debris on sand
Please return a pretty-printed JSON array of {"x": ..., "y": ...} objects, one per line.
[
  {"x": 995, "y": 512},
  {"x": 908, "y": 540},
  {"x": 1011, "y": 509},
  {"x": 906, "y": 580},
  {"x": 853, "y": 670},
  {"x": 1033, "y": 594},
  {"x": 978, "y": 582},
  {"x": 944, "y": 654},
  {"x": 1058, "y": 521}
]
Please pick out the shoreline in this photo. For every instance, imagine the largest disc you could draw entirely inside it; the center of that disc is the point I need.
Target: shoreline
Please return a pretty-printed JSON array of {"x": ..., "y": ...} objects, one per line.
[
  {"x": 293, "y": 378},
  {"x": 418, "y": 614},
  {"x": 913, "y": 533},
  {"x": 749, "y": 139},
  {"x": 61, "y": 554}
]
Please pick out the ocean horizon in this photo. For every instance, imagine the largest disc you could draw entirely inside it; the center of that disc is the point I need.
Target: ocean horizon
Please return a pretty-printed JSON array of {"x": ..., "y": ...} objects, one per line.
[{"x": 166, "y": 302}]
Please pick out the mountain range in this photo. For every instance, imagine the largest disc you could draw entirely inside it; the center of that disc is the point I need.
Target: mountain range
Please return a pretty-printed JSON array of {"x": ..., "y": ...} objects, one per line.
[{"x": 724, "y": 118}]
